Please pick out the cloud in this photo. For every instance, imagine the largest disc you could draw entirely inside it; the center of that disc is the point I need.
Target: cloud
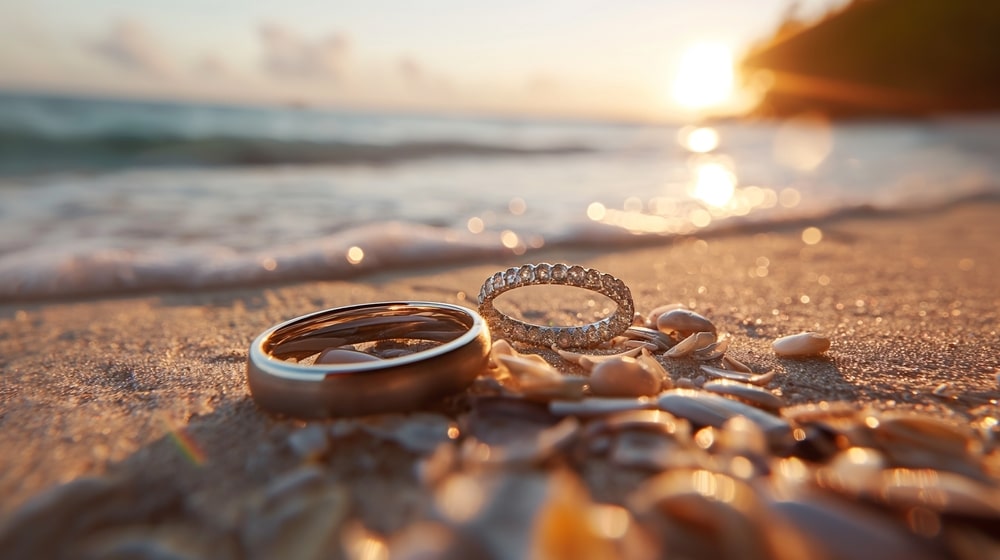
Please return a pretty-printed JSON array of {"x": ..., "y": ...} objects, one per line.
[
  {"x": 286, "y": 54},
  {"x": 131, "y": 46}
]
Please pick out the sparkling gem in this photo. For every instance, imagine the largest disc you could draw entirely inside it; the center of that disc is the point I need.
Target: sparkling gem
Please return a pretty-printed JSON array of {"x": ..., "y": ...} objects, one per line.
[
  {"x": 543, "y": 272},
  {"x": 564, "y": 339},
  {"x": 511, "y": 277},
  {"x": 526, "y": 273},
  {"x": 559, "y": 272},
  {"x": 575, "y": 275}
]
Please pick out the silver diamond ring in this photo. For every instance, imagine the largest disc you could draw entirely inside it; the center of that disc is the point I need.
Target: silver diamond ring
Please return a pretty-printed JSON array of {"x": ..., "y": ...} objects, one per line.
[{"x": 577, "y": 276}]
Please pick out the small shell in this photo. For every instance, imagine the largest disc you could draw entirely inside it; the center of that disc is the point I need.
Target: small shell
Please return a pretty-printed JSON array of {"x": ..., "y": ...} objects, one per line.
[
  {"x": 528, "y": 367},
  {"x": 654, "y": 365},
  {"x": 684, "y": 322},
  {"x": 736, "y": 365},
  {"x": 707, "y": 409},
  {"x": 588, "y": 361},
  {"x": 624, "y": 377},
  {"x": 692, "y": 343},
  {"x": 345, "y": 356},
  {"x": 599, "y": 406},
  {"x": 652, "y": 336},
  {"x": 802, "y": 344},
  {"x": 745, "y": 392},
  {"x": 758, "y": 379},
  {"x": 713, "y": 351},
  {"x": 653, "y": 315}
]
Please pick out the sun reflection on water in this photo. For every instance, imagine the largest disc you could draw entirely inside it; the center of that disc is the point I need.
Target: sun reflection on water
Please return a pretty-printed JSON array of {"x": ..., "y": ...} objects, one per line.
[{"x": 714, "y": 183}]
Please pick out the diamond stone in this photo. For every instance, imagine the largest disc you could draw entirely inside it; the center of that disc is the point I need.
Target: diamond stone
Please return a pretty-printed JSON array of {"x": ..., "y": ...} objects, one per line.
[
  {"x": 543, "y": 272},
  {"x": 559, "y": 272},
  {"x": 526, "y": 273},
  {"x": 564, "y": 339},
  {"x": 511, "y": 277},
  {"x": 575, "y": 275}
]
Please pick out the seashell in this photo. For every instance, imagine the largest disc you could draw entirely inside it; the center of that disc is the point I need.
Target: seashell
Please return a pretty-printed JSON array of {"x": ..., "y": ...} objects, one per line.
[
  {"x": 309, "y": 443},
  {"x": 745, "y": 392},
  {"x": 918, "y": 441},
  {"x": 419, "y": 432},
  {"x": 527, "y": 449},
  {"x": 683, "y": 322},
  {"x": 599, "y": 406},
  {"x": 565, "y": 525},
  {"x": 531, "y": 366},
  {"x": 650, "y": 420},
  {"x": 50, "y": 523},
  {"x": 624, "y": 377},
  {"x": 718, "y": 516},
  {"x": 298, "y": 515},
  {"x": 736, "y": 365},
  {"x": 648, "y": 450},
  {"x": 654, "y": 365},
  {"x": 706, "y": 409},
  {"x": 726, "y": 374},
  {"x": 801, "y": 345},
  {"x": 566, "y": 387},
  {"x": 942, "y": 438},
  {"x": 838, "y": 529},
  {"x": 649, "y": 346},
  {"x": 823, "y": 410},
  {"x": 655, "y": 314},
  {"x": 741, "y": 435},
  {"x": 588, "y": 361},
  {"x": 692, "y": 343},
  {"x": 712, "y": 351},
  {"x": 652, "y": 336}
]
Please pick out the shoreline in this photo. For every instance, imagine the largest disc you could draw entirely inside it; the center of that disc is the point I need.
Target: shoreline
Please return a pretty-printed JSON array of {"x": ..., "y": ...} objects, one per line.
[
  {"x": 95, "y": 388},
  {"x": 468, "y": 250}
]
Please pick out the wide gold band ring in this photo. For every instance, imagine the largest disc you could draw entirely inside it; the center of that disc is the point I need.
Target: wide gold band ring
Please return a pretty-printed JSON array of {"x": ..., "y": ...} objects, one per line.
[{"x": 280, "y": 383}]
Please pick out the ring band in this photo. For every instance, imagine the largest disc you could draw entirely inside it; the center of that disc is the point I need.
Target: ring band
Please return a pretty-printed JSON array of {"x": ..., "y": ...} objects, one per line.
[
  {"x": 581, "y": 336},
  {"x": 390, "y": 385}
]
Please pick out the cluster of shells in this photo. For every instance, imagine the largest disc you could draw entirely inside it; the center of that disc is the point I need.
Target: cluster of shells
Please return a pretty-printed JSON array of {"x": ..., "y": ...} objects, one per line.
[{"x": 611, "y": 454}]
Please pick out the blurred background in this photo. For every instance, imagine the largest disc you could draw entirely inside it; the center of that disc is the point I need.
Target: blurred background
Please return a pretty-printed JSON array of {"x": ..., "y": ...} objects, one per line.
[{"x": 148, "y": 145}]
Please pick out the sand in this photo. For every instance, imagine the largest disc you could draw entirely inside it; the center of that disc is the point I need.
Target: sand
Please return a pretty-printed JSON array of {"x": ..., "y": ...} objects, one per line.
[{"x": 92, "y": 388}]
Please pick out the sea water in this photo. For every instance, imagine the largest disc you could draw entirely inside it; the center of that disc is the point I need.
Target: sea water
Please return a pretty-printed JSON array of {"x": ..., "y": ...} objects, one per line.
[{"x": 110, "y": 196}]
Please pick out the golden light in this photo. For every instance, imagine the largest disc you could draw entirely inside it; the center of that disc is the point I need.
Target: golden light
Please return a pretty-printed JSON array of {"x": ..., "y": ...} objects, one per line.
[
  {"x": 475, "y": 225},
  {"x": 704, "y": 76},
  {"x": 355, "y": 255},
  {"x": 812, "y": 235},
  {"x": 714, "y": 184},
  {"x": 699, "y": 140}
]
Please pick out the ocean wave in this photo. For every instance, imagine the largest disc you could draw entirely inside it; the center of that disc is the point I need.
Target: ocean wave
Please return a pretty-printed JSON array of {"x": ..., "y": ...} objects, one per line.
[
  {"x": 35, "y": 274},
  {"x": 28, "y": 153}
]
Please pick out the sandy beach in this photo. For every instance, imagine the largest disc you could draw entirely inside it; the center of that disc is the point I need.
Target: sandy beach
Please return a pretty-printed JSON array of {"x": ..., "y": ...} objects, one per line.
[{"x": 128, "y": 420}]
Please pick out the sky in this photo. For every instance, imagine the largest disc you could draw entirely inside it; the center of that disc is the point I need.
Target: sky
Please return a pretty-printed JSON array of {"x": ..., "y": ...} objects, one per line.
[{"x": 631, "y": 59}]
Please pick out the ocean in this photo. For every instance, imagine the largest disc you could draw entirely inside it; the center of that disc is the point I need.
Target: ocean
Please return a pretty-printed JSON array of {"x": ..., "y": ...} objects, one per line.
[{"x": 102, "y": 196}]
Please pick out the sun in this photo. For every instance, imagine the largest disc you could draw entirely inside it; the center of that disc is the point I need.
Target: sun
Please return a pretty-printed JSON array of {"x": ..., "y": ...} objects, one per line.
[{"x": 704, "y": 76}]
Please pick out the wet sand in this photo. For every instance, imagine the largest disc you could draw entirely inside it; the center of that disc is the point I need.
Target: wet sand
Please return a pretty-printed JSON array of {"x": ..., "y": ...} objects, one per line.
[{"x": 102, "y": 388}]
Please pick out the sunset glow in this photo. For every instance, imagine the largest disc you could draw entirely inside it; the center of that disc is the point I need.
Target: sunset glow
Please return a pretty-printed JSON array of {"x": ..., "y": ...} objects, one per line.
[{"x": 704, "y": 76}]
